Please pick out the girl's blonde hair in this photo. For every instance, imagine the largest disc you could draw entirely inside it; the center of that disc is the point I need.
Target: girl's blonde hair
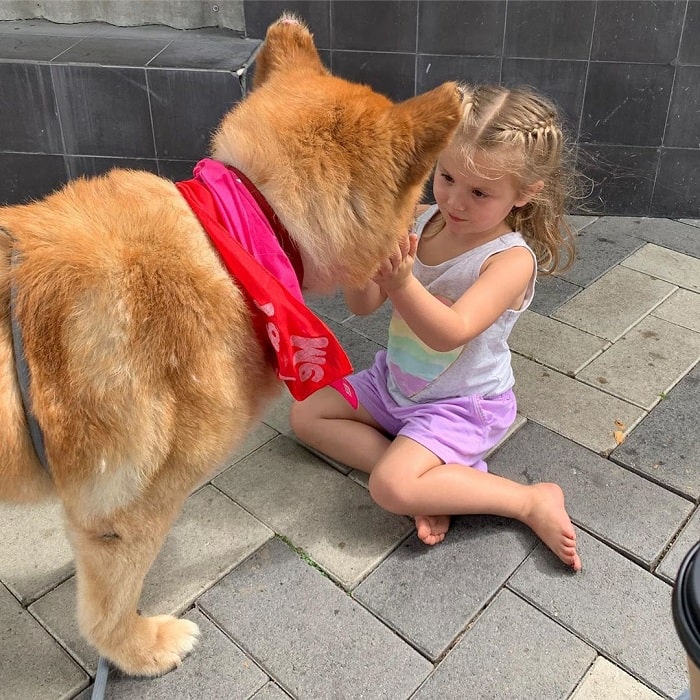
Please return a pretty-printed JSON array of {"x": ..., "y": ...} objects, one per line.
[{"x": 517, "y": 131}]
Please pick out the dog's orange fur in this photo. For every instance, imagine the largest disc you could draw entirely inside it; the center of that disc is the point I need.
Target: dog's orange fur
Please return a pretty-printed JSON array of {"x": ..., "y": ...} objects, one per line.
[{"x": 146, "y": 371}]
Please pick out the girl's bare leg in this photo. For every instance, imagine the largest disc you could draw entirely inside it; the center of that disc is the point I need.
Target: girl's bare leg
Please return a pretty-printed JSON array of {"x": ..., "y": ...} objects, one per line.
[
  {"x": 328, "y": 423},
  {"x": 406, "y": 478}
]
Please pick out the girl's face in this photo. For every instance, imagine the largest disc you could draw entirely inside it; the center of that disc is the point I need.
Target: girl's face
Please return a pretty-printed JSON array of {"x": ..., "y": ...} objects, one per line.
[{"x": 474, "y": 206}]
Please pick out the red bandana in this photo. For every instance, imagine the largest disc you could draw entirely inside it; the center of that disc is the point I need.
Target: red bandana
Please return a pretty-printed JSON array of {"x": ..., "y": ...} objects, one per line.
[{"x": 304, "y": 351}]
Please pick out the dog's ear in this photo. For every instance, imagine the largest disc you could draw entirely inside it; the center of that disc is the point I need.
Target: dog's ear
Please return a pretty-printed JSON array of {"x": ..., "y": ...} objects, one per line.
[
  {"x": 424, "y": 126},
  {"x": 288, "y": 45}
]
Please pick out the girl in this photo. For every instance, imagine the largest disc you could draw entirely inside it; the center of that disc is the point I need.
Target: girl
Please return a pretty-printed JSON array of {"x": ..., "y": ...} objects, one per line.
[{"x": 440, "y": 397}]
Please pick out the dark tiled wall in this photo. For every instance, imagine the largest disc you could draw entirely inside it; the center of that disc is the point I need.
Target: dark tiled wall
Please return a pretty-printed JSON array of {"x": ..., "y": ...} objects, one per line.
[
  {"x": 80, "y": 99},
  {"x": 626, "y": 75}
]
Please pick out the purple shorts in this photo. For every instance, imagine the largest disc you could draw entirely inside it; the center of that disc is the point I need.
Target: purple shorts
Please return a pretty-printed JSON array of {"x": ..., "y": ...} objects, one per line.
[{"x": 459, "y": 430}]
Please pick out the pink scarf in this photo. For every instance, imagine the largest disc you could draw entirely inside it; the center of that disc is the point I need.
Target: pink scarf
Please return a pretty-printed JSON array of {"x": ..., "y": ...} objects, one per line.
[{"x": 304, "y": 351}]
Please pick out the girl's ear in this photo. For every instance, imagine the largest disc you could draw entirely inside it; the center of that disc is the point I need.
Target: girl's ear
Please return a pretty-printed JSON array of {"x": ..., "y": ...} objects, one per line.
[{"x": 529, "y": 193}]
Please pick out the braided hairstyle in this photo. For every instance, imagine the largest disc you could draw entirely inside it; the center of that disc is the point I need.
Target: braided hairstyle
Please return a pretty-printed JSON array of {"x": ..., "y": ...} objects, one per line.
[{"x": 520, "y": 132}]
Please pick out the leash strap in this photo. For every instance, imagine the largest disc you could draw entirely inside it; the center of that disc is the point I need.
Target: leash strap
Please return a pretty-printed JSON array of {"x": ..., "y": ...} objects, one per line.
[
  {"x": 24, "y": 376},
  {"x": 98, "y": 690}
]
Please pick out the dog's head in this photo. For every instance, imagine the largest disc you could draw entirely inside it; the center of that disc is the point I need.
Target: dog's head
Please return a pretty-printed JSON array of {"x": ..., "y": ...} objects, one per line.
[{"x": 342, "y": 166}]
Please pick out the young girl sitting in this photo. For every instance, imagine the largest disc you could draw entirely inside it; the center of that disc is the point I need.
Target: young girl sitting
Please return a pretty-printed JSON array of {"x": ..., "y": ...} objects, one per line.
[{"x": 440, "y": 397}]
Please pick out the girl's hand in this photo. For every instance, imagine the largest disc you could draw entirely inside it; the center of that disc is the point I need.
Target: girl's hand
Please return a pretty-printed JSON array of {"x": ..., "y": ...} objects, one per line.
[{"x": 397, "y": 269}]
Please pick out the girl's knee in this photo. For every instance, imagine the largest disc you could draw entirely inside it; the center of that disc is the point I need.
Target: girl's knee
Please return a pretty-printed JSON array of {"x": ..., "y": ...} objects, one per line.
[
  {"x": 301, "y": 417},
  {"x": 391, "y": 494}
]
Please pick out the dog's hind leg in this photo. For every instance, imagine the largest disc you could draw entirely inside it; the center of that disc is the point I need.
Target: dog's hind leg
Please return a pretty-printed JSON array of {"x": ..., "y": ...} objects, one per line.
[{"x": 113, "y": 555}]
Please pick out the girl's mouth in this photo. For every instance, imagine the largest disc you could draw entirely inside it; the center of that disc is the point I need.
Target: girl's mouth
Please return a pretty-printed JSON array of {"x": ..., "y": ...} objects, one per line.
[{"x": 452, "y": 217}]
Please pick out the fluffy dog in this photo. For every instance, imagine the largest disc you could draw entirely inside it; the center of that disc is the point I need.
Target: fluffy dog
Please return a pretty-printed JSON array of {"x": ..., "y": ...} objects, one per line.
[{"x": 146, "y": 366}]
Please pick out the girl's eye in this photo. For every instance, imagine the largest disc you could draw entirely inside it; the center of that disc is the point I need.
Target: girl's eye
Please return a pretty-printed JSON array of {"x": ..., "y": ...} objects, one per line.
[
  {"x": 447, "y": 177},
  {"x": 479, "y": 194}
]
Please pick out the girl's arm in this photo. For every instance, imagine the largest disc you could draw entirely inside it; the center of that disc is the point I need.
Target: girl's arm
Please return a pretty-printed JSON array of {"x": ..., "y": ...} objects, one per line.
[
  {"x": 365, "y": 300},
  {"x": 501, "y": 285}
]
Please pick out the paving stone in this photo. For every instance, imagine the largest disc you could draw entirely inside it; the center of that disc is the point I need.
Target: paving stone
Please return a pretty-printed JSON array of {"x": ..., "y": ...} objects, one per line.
[
  {"x": 501, "y": 658},
  {"x": 580, "y": 222},
  {"x": 664, "y": 232},
  {"x": 209, "y": 538},
  {"x": 32, "y": 665},
  {"x": 614, "y": 303},
  {"x": 605, "y": 681},
  {"x": 257, "y": 437},
  {"x": 342, "y": 468},
  {"x": 691, "y": 222},
  {"x": 665, "y": 446},
  {"x": 36, "y": 554},
  {"x": 374, "y": 326},
  {"x": 671, "y": 562},
  {"x": 568, "y": 407},
  {"x": 332, "y": 307},
  {"x": 622, "y": 508},
  {"x": 613, "y": 605},
  {"x": 270, "y": 692},
  {"x": 550, "y": 293},
  {"x": 554, "y": 343},
  {"x": 359, "y": 349},
  {"x": 216, "y": 668},
  {"x": 277, "y": 415},
  {"x": 681, "y": 308},
  {"x": 645, "y": 363},
  {"x": 430, "y": 594},
  {"x": 599, "y": 247},
  {"x": 676, "y": 268},
  {"x": 312, "y": 638},
  {"x": 329, "y": 516}
]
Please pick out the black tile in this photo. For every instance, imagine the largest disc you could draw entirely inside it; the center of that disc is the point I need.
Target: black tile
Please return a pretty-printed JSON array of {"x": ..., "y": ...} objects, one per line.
[
  {"x": 551, "y": 292},
  {"x": 677, "y": 190},
  {"x": 690, "y": 43},
  {"x": 114, "y": 51},
  {"x": 461, "y": 28},
  {"x": 623, "y": 178},
  {"x": 260, "y": 14},
  {"x": 150, "y": 32},
  {"x": 561, "y": 81},
  {"x": 433, "y": 70},
  {"x": 28, "y": 176},
  {"x": 28, "y": 47},
  {"x": 28, "y": 111},
  {"x": 619, "y": 95},
  {"x": 545, "y": 29},
  {"x": 648, "y": 32},
  {"x": 43, "y": 26},
  {"x": 683, "y": 128},
  {"x": 212, "y": 50},
  {"x": 89, "y": 166},
  {"x": 392, "y": 74},
  {"x": 176, "y": 170},
  {"x": 187, "y": 107},
  {"x": 664, "y": 446},
  {"x": 104, "y": 111},
  {"x": 666, "y": 233},
  {"x": 599, "y": 247},
  {"x": 374, "y": 25}
]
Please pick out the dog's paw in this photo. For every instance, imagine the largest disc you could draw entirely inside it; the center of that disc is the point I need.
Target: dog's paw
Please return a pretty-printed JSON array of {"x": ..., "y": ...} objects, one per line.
[{"x": 159, "y": 645}]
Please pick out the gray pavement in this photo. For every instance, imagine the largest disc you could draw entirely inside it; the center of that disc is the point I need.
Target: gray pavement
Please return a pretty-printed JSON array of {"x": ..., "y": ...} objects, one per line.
[{"x": 303, "y": 588}]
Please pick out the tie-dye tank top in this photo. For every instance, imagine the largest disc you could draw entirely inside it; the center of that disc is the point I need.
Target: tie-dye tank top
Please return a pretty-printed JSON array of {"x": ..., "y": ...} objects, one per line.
[{"x": 419, "y": 374}]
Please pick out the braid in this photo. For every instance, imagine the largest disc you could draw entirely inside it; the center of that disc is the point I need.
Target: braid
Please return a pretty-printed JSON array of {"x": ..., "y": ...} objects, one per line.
[{"x": 523, "y": 132}]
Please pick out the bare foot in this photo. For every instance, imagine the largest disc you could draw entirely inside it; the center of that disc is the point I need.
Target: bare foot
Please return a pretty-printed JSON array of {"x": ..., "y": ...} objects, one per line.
[
  {"x": 551, "y": 523},
  {"x": 432, "y": 528}
]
